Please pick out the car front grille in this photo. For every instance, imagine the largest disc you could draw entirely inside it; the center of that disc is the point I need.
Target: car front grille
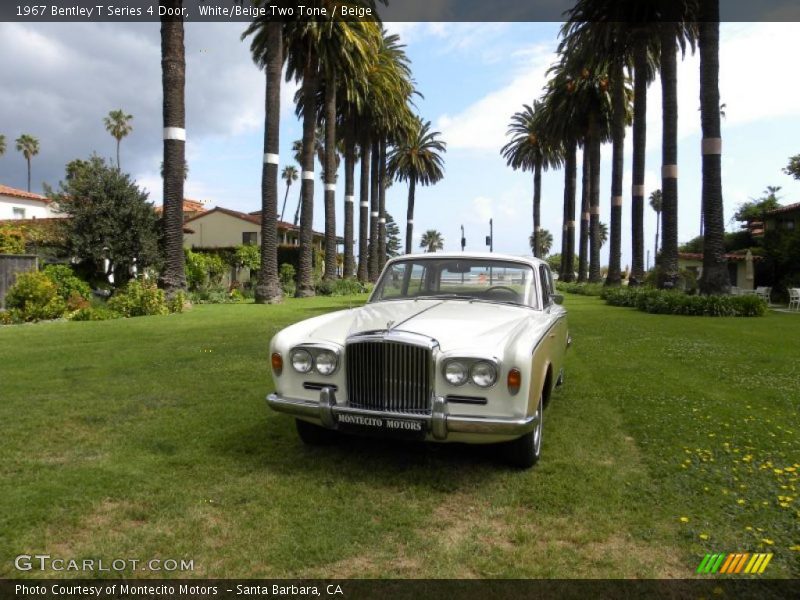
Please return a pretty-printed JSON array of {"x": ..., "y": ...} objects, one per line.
[{"x": 389, "y": 376}]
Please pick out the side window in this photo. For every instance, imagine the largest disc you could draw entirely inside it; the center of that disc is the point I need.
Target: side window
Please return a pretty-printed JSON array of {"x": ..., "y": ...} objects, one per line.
[
  {"x": 546, "y": 283},
  {"x": 399, "y": 276}
]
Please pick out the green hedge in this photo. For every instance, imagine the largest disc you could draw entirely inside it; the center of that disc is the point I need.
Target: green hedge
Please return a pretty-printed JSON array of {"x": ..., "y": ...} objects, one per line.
[
  {"x": 584, "y": 289},
  {"x": 664, "y": 302}
]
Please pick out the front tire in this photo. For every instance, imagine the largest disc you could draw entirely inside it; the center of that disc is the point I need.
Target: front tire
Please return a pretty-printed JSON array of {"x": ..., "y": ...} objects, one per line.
[
  {"x": 524, "y": 452},
  {"x": 314, "y": 435}
]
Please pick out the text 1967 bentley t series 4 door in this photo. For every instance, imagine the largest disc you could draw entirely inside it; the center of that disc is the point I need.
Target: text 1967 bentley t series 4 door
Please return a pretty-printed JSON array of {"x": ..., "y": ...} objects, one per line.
[{"x": 449, "y": 348}]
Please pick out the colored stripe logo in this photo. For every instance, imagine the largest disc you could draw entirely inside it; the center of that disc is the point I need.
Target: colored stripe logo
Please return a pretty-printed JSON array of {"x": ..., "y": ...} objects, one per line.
[{"x": 734, "y": 563}]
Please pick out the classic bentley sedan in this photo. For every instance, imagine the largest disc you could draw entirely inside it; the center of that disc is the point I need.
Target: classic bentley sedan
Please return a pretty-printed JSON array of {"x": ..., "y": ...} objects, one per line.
[{"x": 449, "y": 348}]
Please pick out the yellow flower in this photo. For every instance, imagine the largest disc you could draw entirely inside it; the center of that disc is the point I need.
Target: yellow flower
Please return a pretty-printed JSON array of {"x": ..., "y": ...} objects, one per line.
[
  {"x": 703, "y": 536},
  {"x": 748, "y": 528},
  {"x": 785, "y": 504},
  {"x": 740, "y": 501},
  {"x": 767, "y": 541},
  {"x": 684, "y": 519},
  {"x": 777, "y": 471},
  {"x": 794, "y": 548}
]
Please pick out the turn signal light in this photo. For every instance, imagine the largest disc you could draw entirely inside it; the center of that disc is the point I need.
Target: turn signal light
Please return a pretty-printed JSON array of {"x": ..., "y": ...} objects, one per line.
[
  {"x": 277, "y": 363},
  {"x": 514, "y": 381}
]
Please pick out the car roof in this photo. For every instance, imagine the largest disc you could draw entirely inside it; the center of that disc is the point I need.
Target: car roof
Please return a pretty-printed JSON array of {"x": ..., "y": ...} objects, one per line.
[{"x": 529, "y": 260}]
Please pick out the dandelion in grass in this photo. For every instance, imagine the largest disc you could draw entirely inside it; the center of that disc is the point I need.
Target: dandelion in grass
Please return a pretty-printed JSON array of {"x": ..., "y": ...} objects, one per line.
[
  {"x": 704, "y": 536},
  {"x": 767, "y": 541},
  {"x": 684, "y": 519}
]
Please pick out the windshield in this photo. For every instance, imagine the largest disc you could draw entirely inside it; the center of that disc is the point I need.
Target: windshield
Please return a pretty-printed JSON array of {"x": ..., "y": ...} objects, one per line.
[{"x": 472, "y": 279}]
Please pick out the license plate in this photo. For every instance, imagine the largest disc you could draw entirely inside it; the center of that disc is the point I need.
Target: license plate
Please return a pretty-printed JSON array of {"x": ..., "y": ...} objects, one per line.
[{"x": 389, "y": 426}]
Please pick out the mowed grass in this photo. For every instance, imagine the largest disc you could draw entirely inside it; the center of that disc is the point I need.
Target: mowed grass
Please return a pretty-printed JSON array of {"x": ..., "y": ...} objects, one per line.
[{"x": 149, "y": 438}]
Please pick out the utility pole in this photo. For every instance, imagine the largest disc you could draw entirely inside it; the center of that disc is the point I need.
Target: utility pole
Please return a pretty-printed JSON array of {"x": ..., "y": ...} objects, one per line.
[
  {"x": 490, "y": 237},
  {"x": 463, "y": 239}
]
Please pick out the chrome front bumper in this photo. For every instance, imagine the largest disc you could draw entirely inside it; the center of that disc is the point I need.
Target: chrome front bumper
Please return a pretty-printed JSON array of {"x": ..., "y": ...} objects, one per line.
[{"x": 439, "y": 423}]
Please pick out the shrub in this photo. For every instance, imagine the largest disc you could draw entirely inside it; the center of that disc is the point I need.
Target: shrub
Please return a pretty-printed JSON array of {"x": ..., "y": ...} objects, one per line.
[
  {"x": 249, "y": 256},
  {"x": 584, "y": 289},
  {"x": 665, "y": 302},
  {"x": 204, "y": 270},
  {"x": 34, "y": 297},
  {"x": 12, "y": 240},
  {"x": 94, "y": 313},
  {"x": 139, "y": 298},
  {"x": 179, "y": 302},
  {"x": 70, "y": 287},
  {"x": 286, "y": 274}
]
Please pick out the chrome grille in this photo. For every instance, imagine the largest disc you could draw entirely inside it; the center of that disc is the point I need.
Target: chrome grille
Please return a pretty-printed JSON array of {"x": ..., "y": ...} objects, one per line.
[{"x": 389, "y": 376}]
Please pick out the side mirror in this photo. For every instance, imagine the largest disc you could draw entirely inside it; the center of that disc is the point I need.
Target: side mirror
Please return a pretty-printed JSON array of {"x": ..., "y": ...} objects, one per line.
[{"x": 557, "y": 298}]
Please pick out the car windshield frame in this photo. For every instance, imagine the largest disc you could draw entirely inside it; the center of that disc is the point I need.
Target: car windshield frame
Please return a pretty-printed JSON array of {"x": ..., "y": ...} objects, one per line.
[{"x": 434, "y": 267}]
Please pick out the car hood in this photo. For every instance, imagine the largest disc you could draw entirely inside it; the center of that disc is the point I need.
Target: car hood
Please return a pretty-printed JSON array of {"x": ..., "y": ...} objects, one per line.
[{"x": 455, "y": 324}]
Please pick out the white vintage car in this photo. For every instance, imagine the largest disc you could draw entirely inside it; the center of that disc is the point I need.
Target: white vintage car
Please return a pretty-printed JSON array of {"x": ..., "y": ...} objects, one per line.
[{"x": 449, "y": 348}]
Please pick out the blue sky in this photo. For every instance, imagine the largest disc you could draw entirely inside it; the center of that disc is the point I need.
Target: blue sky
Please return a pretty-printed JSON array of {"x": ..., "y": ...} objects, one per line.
[{"x": 473, "y": 76}]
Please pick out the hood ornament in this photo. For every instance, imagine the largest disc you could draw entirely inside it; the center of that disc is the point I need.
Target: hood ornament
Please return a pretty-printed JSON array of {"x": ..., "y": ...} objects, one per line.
[{"x": 389, "y": 324}]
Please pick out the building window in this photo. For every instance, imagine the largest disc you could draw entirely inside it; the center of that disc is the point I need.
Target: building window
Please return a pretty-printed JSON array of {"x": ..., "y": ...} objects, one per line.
[
  {"x": 788, "y": 225},
  {"x": 18, "y": 213},
  {"x": 249, "y": 238}
]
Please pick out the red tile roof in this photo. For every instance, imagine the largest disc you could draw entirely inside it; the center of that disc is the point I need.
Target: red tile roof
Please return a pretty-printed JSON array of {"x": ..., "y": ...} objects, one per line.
[
  {"x": 732, "y": 257},
  {"x": 784, "y": 209},
  {"x": 189, "y": 205},
  {"x": 15, "y": 193}
]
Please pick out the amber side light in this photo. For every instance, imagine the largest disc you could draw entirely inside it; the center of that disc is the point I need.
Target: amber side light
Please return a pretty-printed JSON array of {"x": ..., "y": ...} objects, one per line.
[
  {"x": 277, "y": 363},
  {"x": 514, "y": 381}
]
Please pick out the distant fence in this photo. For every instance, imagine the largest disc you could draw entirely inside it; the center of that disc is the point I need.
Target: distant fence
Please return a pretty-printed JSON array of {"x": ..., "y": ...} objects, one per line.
[{"x": 10, "y": 265}]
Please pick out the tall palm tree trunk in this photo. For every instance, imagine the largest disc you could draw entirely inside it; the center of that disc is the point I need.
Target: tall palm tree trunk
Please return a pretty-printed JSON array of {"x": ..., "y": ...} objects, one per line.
[
  {"x": 639, "y": 147},
  {"x": 537, "y": 207},
  {"x": 382, "y": 206},
  {"x": 285, "y": 198},
  {"x": 570, "y": 173},
  {"x": 658, "y": 229},
  {"x": 330, "y": 178},
  {"x": 363, "y": 226},
  {"x": 594, "y": 208},
  {"x": 373, "y": 215},
  {"x": 173, "y": 81},
  {"x": 583, "y": 236},
  {"x": 669, "y": 153},
  {"x": 118, "y": 165},
  {"x": 349, "y": 197},
  {"x": 412, "y": 189},
  {"x": 614, "y": 276},
  {"x": 305, "y": 275},
  {"x": 714, "y": 279},
  {"x": 268, "y": 288},
  {"x": 28, "y": 160}
]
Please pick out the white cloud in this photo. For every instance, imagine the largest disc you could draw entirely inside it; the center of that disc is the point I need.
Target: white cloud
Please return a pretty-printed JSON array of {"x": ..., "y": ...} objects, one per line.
[{"x": 482, "y": 126}]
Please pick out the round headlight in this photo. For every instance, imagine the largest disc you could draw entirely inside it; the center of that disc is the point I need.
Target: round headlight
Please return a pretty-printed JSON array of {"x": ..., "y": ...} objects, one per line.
[
  {"x": 326, "y": 362},
  {"x": 455, "y": 373},
  {"x": 483, "y": 374},
  {"x": 301, "y": 360}
]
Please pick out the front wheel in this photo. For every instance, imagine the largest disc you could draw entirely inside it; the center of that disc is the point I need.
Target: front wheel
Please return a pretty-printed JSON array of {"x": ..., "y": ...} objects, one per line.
[
  {"x": 524, "y": 452},
  {"x": 314, "y": 435}
]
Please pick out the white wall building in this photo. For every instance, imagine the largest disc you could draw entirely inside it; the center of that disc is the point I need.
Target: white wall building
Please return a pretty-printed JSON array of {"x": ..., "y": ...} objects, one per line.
[{"x": 19, "y": 204}]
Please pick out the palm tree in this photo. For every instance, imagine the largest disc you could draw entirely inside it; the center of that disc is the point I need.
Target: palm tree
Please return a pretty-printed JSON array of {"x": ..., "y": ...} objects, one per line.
[
  {"x": 602, "y": 233},
  {"x": 118, "y": 124},
  {"x": 656, "y": 203},
  {"x": 417, "y": 159},
  {"x": 29, "y": 146},
  {"x": 289, "y": 175},
  {"x": 544, "y": 244},
  {"x": 2, "y": 144},
  {"x": 714, "y": 279},
  {"x": 529, "y": 149},
  {"x": 676, "y": 30},
  {"x": 432, "y": 241},
  {"x": 319, "y": 53},
  {"x": 173, "y": 84},
  {"x": 267, "y": 49}
]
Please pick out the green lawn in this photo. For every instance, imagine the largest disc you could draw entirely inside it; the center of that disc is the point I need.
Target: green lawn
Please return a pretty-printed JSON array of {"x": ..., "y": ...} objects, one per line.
[{"x": 149, "y": 438}]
